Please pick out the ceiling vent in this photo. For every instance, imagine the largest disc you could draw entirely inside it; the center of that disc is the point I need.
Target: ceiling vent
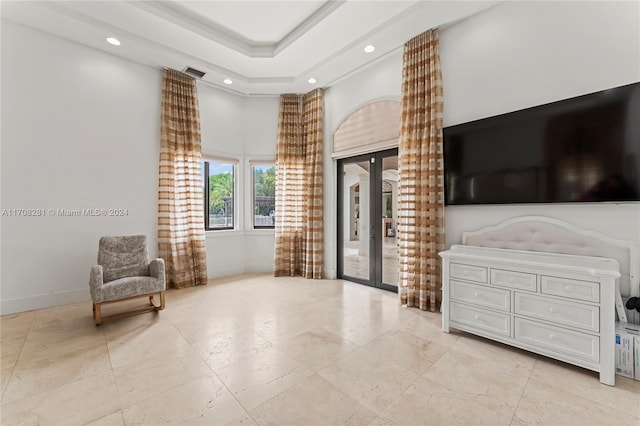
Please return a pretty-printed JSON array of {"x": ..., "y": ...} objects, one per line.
[{"x": 194, "y": 72}]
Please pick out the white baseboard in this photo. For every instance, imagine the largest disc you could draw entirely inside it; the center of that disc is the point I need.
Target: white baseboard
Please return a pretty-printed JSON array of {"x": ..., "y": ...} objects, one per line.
[
  {"x": 42, "y": 301},
  {"x": 223, "y": 272},
  {"x": 259, "y": 268}
]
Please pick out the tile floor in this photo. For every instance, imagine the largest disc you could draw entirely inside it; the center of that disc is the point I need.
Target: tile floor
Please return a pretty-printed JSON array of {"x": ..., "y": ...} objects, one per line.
[{"x": 287, "y": 351}]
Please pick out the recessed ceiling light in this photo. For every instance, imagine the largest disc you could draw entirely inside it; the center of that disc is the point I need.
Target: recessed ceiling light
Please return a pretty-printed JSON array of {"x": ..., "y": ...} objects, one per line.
[
  {"x": 369, "y": 48},
  {"x": 312, "y": 80},
  {"x": 227, "y": 81},
  {"x": 113, "y": 40}
]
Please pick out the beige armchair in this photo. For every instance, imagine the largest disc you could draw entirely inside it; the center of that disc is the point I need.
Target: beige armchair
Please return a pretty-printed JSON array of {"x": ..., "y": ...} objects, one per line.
[{"x": 124, "y": 272}]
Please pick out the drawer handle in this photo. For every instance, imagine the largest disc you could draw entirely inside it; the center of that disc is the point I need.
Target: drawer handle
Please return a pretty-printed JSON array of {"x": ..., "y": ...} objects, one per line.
[
  {"x": 568, "y": 287},
  {"x": 552, "y": 337}
]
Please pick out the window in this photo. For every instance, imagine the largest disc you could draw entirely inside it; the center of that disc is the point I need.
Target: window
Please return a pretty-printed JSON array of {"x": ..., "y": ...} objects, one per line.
[
  {"x": 218, "y": 179},
  {"x": 264, "y": 195}
]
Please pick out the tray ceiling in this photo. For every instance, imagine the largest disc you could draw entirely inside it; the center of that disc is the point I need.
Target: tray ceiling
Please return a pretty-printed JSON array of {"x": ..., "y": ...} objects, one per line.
[{"x": 264, "y": 47}]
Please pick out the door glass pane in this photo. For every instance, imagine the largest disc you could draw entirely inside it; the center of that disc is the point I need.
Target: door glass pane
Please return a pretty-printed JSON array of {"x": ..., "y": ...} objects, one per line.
[
  {"x": 356, "y": 219},
  {"x": 390, "y": 220}
]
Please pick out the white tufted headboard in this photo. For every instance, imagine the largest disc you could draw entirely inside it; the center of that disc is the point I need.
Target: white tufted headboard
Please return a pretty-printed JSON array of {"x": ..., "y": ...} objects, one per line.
[{"x": 540, "y": 233}]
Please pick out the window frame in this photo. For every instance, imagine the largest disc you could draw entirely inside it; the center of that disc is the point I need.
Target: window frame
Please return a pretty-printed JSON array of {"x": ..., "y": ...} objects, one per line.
[
  {"x": 252, "y": 165},
  {"x": 206, "y": 160}
]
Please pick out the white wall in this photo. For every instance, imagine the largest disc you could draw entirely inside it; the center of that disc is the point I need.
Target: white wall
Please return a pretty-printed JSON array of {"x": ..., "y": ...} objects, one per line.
[
  {"x": 242, "y": 129},
  {"x": 512, "y": 56},
  {"x": 260, "y": 128},
  {"x": 220, "y": 117},
  {"x": 521, "y": 54},
  {"x": 260, "y": 124},
  {"x": 80, "y": 129},
  {"x": 220, "y": 122}
]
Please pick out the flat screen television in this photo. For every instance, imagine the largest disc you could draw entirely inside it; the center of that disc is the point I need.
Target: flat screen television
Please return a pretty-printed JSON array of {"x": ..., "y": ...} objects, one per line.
[{"x": 583, "y": 149}]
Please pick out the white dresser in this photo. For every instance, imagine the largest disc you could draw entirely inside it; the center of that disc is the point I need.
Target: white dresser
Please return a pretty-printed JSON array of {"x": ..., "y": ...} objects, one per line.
[{"x": 557, "y": 305}]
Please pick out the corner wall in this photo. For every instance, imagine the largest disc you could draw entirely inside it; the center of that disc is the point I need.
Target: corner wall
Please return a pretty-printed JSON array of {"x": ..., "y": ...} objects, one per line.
[{"x": 242, "y": 129}]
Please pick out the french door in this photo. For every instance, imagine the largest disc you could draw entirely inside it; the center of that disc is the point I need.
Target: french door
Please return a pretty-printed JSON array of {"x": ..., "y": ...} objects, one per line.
[{"x": 368, "y": 219}]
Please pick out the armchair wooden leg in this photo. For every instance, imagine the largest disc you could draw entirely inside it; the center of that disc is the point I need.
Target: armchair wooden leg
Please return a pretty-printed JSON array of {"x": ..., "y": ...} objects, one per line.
[
  {"x": 97, "y": 314},
  {"x": 161, "y": 305},
  {"x": 97, "y": 307}
]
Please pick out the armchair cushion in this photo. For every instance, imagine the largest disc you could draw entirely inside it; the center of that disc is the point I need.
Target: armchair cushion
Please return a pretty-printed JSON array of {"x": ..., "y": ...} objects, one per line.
[
  {"x": 126, "y": 287},
  {"x": 123, "y": 257}
]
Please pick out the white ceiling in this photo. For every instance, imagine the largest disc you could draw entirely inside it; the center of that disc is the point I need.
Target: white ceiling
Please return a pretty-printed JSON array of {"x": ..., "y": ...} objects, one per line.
[{"x": 264, "y": 47}]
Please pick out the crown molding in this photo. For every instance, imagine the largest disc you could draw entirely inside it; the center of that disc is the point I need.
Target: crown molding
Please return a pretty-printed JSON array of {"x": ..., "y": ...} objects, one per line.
[
  {"x": 179, "y": 15},
  {"x": 318, "y": 16},
  {"x": 190, "y": 60}
]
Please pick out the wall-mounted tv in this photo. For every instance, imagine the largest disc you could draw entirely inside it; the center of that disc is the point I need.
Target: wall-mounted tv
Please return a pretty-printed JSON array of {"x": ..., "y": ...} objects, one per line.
[{"x": 583, "y": 149}]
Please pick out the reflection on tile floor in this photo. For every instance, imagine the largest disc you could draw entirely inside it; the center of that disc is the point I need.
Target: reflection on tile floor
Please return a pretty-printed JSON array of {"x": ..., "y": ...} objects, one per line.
[
  {"x": 357, "y": 265},
  {"x": 258, "y": 350}
]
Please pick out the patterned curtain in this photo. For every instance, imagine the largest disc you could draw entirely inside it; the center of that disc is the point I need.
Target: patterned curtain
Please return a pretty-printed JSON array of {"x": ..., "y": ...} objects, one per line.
[
  {"x": 299, "y": 248},
  {"x": 181, "y": 238},
  {"x": 420, "y": 164}
]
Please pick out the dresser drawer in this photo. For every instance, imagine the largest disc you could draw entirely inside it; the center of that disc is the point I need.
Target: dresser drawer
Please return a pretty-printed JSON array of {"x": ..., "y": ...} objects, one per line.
[
  {"x": 515, "y": 280},
  {"x": 468, "y": 272},
  {"x": 558, "y": 311},
  {"x": 575, "y": 289},
  {"x": 480, "y": 295},
  {"x": 480, "y": 318},
  {"x": 556, "y": 339}
]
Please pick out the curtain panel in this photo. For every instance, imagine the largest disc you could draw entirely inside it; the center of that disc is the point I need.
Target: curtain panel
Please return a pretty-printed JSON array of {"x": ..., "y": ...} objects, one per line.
[
  {"x": 299, "y": 237},
  {"x": 421, "y": 169},
  {"x": 181, "y": 237}
]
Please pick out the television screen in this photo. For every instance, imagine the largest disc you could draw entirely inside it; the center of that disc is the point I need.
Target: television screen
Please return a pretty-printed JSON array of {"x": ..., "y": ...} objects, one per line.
[{"x": 583, "y": 149}]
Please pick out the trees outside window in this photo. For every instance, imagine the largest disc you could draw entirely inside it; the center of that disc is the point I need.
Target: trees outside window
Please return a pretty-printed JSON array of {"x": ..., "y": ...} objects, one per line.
[
  {"x": 264, "y": 195},
  {"x": 218, "y": 191}
]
